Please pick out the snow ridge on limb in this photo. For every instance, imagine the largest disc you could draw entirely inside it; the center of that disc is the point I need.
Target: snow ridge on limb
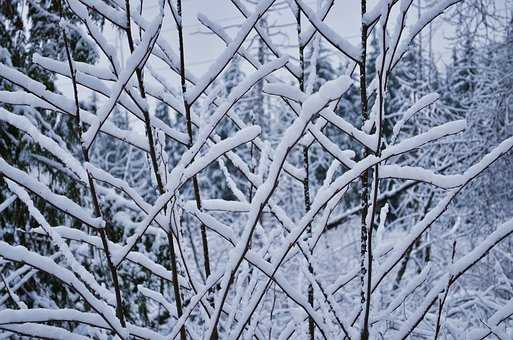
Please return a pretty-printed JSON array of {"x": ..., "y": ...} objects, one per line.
[
  {"x": 159, "y": 298},
  {"x": 435, "y": 11},
  {"x": 419, "y": 105},
  {"x": 23, "y": 124},
  {"x": 182, "y": 175},
  {"x": 135, "y": 61},
  {"x": 42, "y": 331},
  {"x": 90, "y": 76},
  {"x": 285, "y": 90},
  {"x": 237, "y": 93},
  {"x": 363, "y": 138},
  {"x": 433, "y": 214},
  {"x": 35, "y": 87},
  {"x": 21, "y": 321},
  {"x": 293, "y": 93},
  {"x": 38, "y": 97},
  {"x": 492, "y": 323},
  {"x": 221, "y": 33},
  {"x": 336, "y": 40},
  {"x": 8, "y": 201},
  {"x": 21, "y": 254},
  {"x": 307, "y": 35},
  {"x": 330, "y": 91},
  {"x": 103, "y": 176},
  {"x": 453, "y": 272},
  {"x": 219, "y": 64},
  {"x": 96, "y": 72},
  {"x": 114, "y": 16},
  {"x": 341, "y": 182},
  {"x": 217, "y": 150},
  {"x": 60, "y": 202},
  {"x": 77, "y": 268},
  {"x": 178, "y": 176},
  {"x": 134, "y": 257},
  {"x": 292, "y": 68},
  {"x": 13, "y": 316},
  {"x": 422, "y": 175}
]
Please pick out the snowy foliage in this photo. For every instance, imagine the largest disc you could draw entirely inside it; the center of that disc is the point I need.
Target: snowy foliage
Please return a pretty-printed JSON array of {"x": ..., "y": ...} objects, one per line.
[{"x": 328, "y": 190}]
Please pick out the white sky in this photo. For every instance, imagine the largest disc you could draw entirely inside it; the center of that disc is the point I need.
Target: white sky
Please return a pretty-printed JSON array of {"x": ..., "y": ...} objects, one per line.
[{"x": 202, "y": 49}]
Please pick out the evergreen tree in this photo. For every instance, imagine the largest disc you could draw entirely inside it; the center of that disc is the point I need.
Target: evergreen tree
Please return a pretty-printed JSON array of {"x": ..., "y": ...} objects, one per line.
[
  {"x": 12, "y": 53},
  {"x": 24, "y": 33}
]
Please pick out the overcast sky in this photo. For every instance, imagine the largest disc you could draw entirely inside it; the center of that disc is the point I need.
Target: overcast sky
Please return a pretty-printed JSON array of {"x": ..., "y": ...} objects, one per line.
[{"x": 202, "y": 49}]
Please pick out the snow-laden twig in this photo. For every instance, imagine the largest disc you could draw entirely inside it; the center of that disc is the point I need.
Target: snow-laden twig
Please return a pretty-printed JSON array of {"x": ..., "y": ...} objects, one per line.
[
  {"x": 58, "y": 201},
  {"x": 453, "y": 272},
  {"x": 42, "y": 331},
  {"x": 135, "y": 61},
  {"x": 316, "y": 102},
  {"x": 23, "y": 124},
  {"x": 42, "y": 263},
  {"x": 228, "y": 53},
  {"x": 72, "y": 262},
  {"x": 329, "y": 34}
]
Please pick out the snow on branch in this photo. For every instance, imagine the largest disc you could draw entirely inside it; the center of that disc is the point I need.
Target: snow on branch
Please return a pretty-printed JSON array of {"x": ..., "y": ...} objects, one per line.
[
  {"x": 42, "y": 263},
  {"x": 135, "y": 61},
  {"x": 58, "y": 201},
  {"x": 303, "y": 186},
  {"x": 329, "y": 34}
]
